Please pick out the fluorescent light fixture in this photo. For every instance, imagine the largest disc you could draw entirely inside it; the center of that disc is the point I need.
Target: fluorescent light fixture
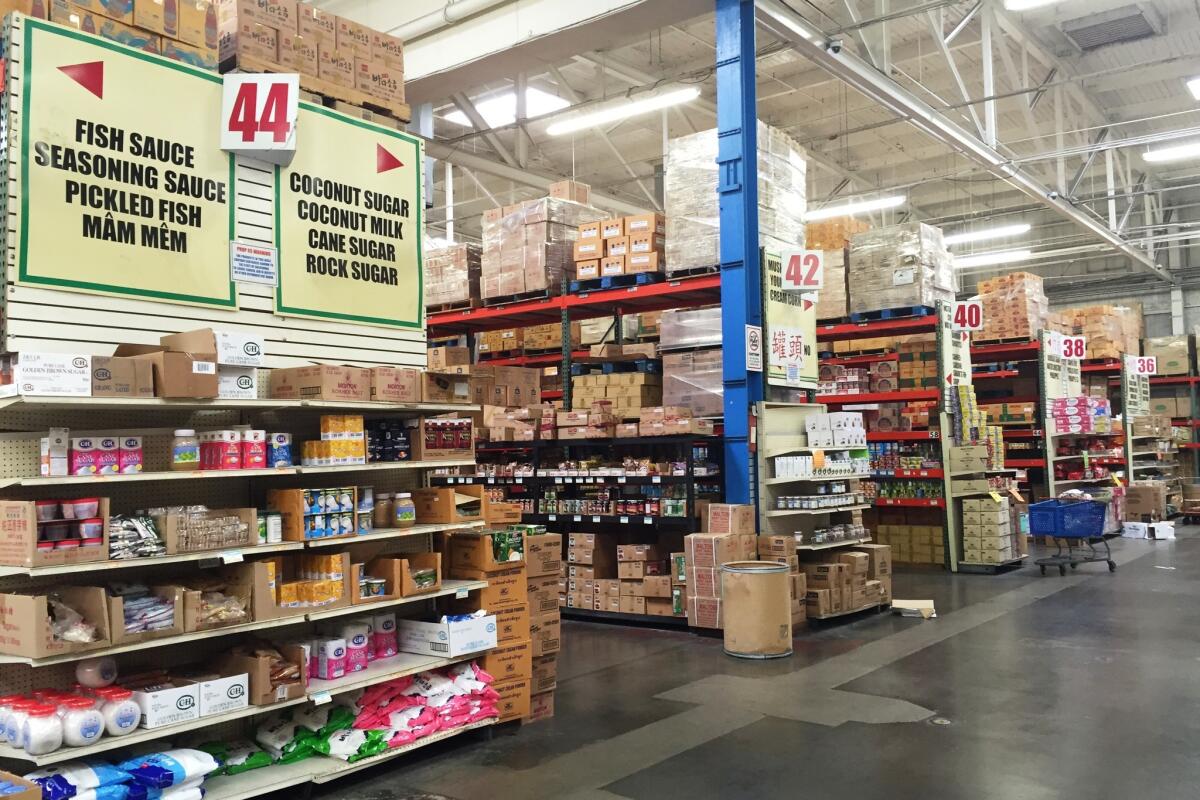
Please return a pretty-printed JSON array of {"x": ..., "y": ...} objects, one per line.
[
  {"x": 623, "y": 110},
  {"x": 1179, "y": 152},
  {"x": 1194, "y": 87},
  {"x": 988, "y": 233},
  {"x": 1025, "y": 5},
  {"x": 855, "y": 208},
  {"x": 501, "y": 110},
  {"x": 988, "y": 259}
]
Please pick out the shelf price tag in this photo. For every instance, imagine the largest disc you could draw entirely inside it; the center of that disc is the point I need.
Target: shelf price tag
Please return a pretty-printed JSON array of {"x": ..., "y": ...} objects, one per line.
[
  {"x": 624, "y": 520},
  {"x": 232, "y": 557},
  {"x": 818, "y": 457},
  {"x": 996, "y": 496},
  {"x": 1086, "y": 459},
  {"x": 491, "y": 480},
  {"x": 578, "y": 518},
  {"x": 968, "y": 316},
  {"x": 552, "y": 517},
  {"x": 803, "y": 270},
  {"x": 461, "y": 594},
  {"x": 321, "y": 698},
  {"x": 258, "y": 115},
  {"x": 656, "y": 479},
  {"x": 647, "y": 520},
  {"x": 595, "y": 519}
]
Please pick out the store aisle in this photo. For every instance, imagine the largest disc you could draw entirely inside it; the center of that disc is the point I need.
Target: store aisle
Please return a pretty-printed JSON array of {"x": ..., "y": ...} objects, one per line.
[{"x": 1045, "y": 687}]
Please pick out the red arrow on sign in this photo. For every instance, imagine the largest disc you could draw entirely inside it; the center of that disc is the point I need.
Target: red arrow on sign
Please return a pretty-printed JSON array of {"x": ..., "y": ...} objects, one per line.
[
  {"x": 385, "y": 161},
  {"x": 89, "y": 75},
  {"x": 950, "y": 378},
  {"x": 807, "y": 304}
]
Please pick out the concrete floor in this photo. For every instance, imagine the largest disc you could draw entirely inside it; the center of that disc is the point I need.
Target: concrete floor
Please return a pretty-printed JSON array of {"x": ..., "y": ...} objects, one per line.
[{"x": 1024, "y": 687}]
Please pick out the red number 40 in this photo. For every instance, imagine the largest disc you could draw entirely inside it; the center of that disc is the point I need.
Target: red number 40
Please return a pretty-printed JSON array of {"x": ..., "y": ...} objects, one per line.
[{"x": 243, "y": 118}]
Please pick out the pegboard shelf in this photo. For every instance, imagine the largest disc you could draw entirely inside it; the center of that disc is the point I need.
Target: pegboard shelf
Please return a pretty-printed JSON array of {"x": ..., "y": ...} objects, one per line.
[
  {"x": 228, "y": 555},
  {"x": 262, "y": 404},
  {"x": 392, "y": 533},
  {"x": 219, "y": 474}
]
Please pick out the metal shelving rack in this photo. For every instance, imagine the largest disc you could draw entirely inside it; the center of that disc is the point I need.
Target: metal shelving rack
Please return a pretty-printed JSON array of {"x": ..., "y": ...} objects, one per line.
[{"x": 28, "y": 417}]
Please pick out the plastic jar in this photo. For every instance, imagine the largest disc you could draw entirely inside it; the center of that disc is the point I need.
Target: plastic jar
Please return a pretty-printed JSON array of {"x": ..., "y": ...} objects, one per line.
[
  {"x": 82, "y": 723},
  {"x": 121, "y": 713},
  {"x": 404, "y": 511},
  {"x": 382, "y": 514},
  {"x": 6, "y": 704},
  {"x": 42, "y": 731},
  {"x": 14, "y": 724},
  {"x": 185, "y": 450}
]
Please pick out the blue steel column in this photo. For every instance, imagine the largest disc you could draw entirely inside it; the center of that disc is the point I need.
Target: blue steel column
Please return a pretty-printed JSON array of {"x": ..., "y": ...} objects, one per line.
[{"x": 737, "y": 185}]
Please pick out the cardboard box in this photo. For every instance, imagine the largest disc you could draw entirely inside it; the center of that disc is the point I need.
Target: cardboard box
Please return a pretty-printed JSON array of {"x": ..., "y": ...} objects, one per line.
[
  {"x": 612, "y": 228},
  {"x": 511, "y": 661},
  {"x": 545, "y": 673},
  {"x": 542, "y": 591},
  {"x": 353, "y": 38},
  {"x": 388, "y": 49},
  {"x": 856, "y": 563},
  {"x": 729, "y": 518},
  {"x": 119, "y": 10},
  {"x": 220, "y": 694},
  {"x": 447, "y": 639},
  {"x": 52, "y": 374},
  {"x": 658, "y": 586},
  {"x": 711, "y": 549},
  {"x": 28, "y": 791},
  {"x": 574, "y": 191},
  {"x": 298, "y": 53},
  {"x": 19, "y": 537},
  {"x": 612, "y": 265},
  {"x": 335, "y": 66},
  {"x": 512, "y": 624},
  {"x": 643, "y": 262},
  {"x": 705, "y": 612},
  {"x": 168, "y": 706},
  {"x": 321, "y": 382},
  {"x": 825, "y": 576},
  {"x": 250, "y": 40},
  {"x": 474, "y": 550},
  {"x": 504, "y": 589},
  {"x": 449, "y": 505},
  {"x": 514, "y": 699},
  {"x": 116, "y": 617},
  {"x": 395, "y": 385},
  {"x": 541, "y": 706},
  {"x": 237, "y": 383},
  {"x": 1145, "y": 499},
  {"x": 543, "y": 554},
  {"x": 104, "y": 26},
  {"x": 26, "y": 620},
  {"x": 318, "y": 24},
  {"x": 880, "y": 559},
  {"x": 545, "y": 633}
]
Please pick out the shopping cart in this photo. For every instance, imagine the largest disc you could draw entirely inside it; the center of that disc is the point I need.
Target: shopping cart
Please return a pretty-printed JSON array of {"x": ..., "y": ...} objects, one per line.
[{"x": 1075, "y": 524}]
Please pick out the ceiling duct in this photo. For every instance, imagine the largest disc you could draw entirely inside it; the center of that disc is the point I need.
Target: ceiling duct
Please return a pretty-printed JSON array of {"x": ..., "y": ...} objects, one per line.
[{"x": 1125, "y": 24}]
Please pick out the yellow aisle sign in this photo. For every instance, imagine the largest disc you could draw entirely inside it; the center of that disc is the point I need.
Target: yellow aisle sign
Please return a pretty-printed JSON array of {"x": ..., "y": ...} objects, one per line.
[
  {"x": 349, "y": 223},
  {"x": 123, "y": 186}
]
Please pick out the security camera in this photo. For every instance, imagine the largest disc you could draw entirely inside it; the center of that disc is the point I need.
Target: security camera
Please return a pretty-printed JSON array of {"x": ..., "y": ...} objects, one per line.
[
  {"x": 1052, "y": 195},
  {"x": 834, "y": 46}
]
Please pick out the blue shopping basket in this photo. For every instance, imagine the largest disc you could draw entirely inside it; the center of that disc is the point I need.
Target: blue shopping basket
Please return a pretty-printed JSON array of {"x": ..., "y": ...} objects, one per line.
[{"x": 1081, "y": 520}]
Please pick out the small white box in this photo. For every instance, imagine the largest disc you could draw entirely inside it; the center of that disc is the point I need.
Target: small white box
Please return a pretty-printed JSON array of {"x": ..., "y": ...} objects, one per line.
[
  {"x": 1162, "y": 530},
  {"x": 239, "y": 349},
  {"x": 816, "y": 422},
  {"x": 839, "y": 420},
  {"x": 237, "y": 383},
  {"x": 849, "y": 437},
  {"x": 447, "y": 638},
  {"x": 169, "y": 706},
  {"x": 53, "y": 374},
  {"x": 54, "y": 452},
  {"x": 223, "y": 695},
  {"x": 1135, "y": 530},
  {"x": 820, "y": 438}
]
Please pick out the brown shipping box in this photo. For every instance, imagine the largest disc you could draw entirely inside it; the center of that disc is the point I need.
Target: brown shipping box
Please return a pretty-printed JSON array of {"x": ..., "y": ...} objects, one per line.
[
  {"x": 321, "y": 382},
  {"x": 122, "y": 377},
  {"x": 543, "y": 554},
  {"x": 176, "y": 375}
]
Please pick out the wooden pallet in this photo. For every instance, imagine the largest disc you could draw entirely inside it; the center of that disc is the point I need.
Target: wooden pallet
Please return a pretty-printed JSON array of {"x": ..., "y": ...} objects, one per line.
[
  {"x": 465, "y": 305},
  {"x": 1010, "y": 340},
  {"x": 616, "y": 282},
  {"x": 676, "y": 274},
  {"x": 399, "y": 111},
  {"x": 892, "y": 313},
  {"x": 543, "y": 294}
]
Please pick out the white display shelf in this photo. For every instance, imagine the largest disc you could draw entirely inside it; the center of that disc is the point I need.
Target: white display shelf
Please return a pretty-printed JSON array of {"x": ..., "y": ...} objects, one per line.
[
  {"x": 787, "y": 451},
  {"x": 391, "y": 533},
  {"x": 833, "y": 545},
  {"x": 791, "y": 512},
  {"x": 448, "y": 588},
  {"x": 262, "y": 404},
  {"x": 141, "y": 735},
  {"x": 1106, "y": 479},
  {"x": 399, "y": 666},
  {"x": 230, "y": 555},
  {"x": 223, "y": 474},
  {"x": 811, "y": 479}
]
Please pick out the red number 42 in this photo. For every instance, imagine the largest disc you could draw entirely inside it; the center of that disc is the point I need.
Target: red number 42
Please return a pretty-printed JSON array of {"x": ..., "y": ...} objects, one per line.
[
  {"x": 243, "y": 119},
  {"x": 803, "y": 271}
]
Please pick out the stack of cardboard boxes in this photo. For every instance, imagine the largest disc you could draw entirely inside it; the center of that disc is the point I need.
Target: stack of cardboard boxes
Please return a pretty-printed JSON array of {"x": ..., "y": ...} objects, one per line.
[
  {"x": 1174, "y": 354},
  {"x": 782, "y": 549},
  {"x": 542, "y": 338},
  {"x": 904, "y": 265},
  {"x": 625, "y": 392},
  {"x": 988, "y": 535},
  {"x": 597, "y": 422},
  {"x": 620, "y": 246},
  {"x": 504, "y": 386},
  {"x": 694, "y": 380},
  {"x": 333, "y": 54},
  {"x": 833, "y": 301},
  {"x": 452, "y": 276},
  {"x": 1111, "y": 331},
  {"x": 543, "y": 557},
  {"x": 591, "y": 580},
  {"x": 528, "y": 247},
  {"x": 918, "y": 362},
  {"x": 515, "y": 424},
  {"x": 1014, "y": 307},
  {"x": 851, "y": 581},
  {"x": 916, "y": 535},
  {"x": 1145, "y": 501},
  {"x": 644, "y": 580},
  {"x": 833, "y": 234},
  {"x": 188, "y": 35},
  {"x": 729, "y": 535}
]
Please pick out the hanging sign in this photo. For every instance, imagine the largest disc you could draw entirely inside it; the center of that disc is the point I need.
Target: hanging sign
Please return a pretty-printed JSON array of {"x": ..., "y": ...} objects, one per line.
[
  {"x": 968, "y": 316},
  {"x": 1074, "y": 347},
  {"x": 119, "y": 189},
  {"x": 803, "y": 270},
  {"x": 1145, "y": 365},
  {"x": 349, "y": 223},
  {"x": 790, "y": 329},
  {"x": 258, "y": 115}
]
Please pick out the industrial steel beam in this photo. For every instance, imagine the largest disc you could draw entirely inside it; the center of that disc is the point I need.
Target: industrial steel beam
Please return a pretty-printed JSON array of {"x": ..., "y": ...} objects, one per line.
[{"x": 786, "y": 24}]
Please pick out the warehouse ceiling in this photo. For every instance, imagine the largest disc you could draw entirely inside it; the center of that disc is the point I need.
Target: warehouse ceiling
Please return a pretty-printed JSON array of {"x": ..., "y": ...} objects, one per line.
[{"x": 1081, "y": 90}]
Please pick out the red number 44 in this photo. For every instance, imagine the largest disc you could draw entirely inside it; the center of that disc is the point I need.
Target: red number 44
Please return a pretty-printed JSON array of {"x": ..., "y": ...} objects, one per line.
[{"x": 243, "y": 118}]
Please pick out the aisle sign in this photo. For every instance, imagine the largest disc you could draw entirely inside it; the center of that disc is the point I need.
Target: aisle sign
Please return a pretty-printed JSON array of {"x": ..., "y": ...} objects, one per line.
[
  {"x": 789, "y": 329},
  {"x": 120, "y": 189},
  {"x": 349, "y": 223},
  {"x": 754, "y": 348},
  {"x": 1074, "y": 347},
  {"x": 1145, "y": 365},
  {"x": 968, "y": 315},
  {"x": 258, "y": 115},
  {"x": 803, "y": 270}
]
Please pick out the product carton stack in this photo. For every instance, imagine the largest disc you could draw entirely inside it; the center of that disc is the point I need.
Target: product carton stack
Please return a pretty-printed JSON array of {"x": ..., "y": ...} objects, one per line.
[
  {"x": 1080, "y": 414},
  {"x": 693, "y": 240},
  {"x": 668, "y": 421},
  {"x": 833, "y": 301},
  {"x": 842, "y": 583},
  {"x": 729, "y": 535},
  {"x": 1111, "y": 331},
  {"x": 988, "y": 537},
  {"x": 504, "y": 386},
  {"x": 538, "y": 339},
  {"x": 528, "y": 248},
  {"x": 518, "y": 424},
  {"x": 916, "y": 535},
  {"x": 452, "y": 276},
  {"x": 644, "y": 579},
  {"x": 918, "y": 366},
  {"x": 782, "y": 549},
  {"x": 1175, "y": 355},
  {"x": 598, "y": 422},
  {"x": 625, "y": 393},
  {"x": 333, "y": 55},
  {"x": 879, "y": 568},
  {"x": 904, "y": 265},
  {"x": 690, "y": 341},
  {"x": 1014, "y": 307},
  {"x": 499, "y": 558},
  {"x": 1145, "y": 501},
  {"x": 620, "y": 246},
  {"x": 832, "y": 234},
  {"x": 592, "y": 572},
  {"x": 189, "y": 35},
  {"x": 544, "y": 552}
]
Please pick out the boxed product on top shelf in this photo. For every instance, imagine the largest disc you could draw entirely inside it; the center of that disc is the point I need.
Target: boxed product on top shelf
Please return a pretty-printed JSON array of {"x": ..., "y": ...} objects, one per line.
[
  {"x": 833, "y": 301},
  {"x": 1111, "y": 331},
  {"x": 904, "y": 265},
  {"x": 695, "y": 380},
  {"x": 691, "y": 198},
  {"x": 539, "y": 338},
  {"x": 529, "y": 247},
  {"x": 916, "y": 535},
  {"x": 832, "y": 234},
  {"x": 693, "y": 328},
  {"x": 328, "y": 51},
  {"x": 1175, "y": 354},
  {"x": 620, "y": 246},
  {"x": 504, "y": 386},
  {"x": 120, "y": 27},
  {"x": 452, "y": 275},
  {"x": 1171, "y": 401},
  {"x": 918, "y": 362},
  {"x": 1014, "y": 307}
]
